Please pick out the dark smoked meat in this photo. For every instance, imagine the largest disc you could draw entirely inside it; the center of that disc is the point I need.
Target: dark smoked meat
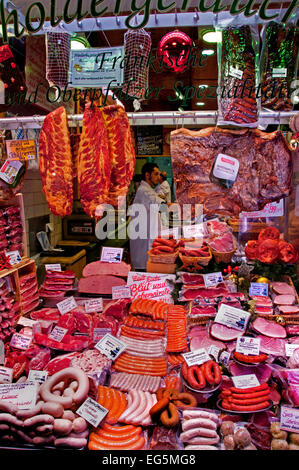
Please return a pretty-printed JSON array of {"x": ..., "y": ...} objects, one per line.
[
  {"x": 264, "y": 176},
  {"x": 238, "y": 101}
]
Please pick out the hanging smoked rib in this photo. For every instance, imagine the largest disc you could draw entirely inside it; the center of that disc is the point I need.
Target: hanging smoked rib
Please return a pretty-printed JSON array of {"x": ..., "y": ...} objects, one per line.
[
  {"x": 94, "y": 167},
  {"x": 55, "y": 163},
  {"x": 121, "y": 149},
  {"x": 264, "y": 175}
]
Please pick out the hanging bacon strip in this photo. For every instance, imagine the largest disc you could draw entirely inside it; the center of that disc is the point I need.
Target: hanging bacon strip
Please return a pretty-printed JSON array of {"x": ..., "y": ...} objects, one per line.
[
  {"x": 94, "y": 166},
  {"x": 55, "y": 163},
  {"x": 122, "y": 152}
]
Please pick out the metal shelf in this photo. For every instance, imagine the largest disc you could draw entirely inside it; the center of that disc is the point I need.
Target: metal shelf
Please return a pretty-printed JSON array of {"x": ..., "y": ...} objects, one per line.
[{"x": 166, "y": 118}]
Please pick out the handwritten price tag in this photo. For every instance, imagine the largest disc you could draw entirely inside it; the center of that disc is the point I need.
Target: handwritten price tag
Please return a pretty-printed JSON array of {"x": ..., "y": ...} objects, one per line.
[
  {"x": 58, "y": 333},
  {"x": 197, "y": 357},
  {"x": 66, "y": 305},
  {"x": 93, "y": 305},
  {"x": 20, "y": 341},
  {"x": 21, "y": 149},
  {"x": 53, "y": 267},
  {"x": 92, "y": 412},
  {"x": 245, "y": 381}
]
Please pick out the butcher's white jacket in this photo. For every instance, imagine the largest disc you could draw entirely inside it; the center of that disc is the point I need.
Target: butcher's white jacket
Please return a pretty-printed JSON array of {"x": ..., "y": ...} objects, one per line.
[
  {"x": 164, "y": 190},
  {"x": 146, "y": 219}
]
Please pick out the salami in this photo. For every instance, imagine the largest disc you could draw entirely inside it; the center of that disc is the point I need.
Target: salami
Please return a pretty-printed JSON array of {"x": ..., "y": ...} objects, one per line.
[{"x": 55, "y": 163}]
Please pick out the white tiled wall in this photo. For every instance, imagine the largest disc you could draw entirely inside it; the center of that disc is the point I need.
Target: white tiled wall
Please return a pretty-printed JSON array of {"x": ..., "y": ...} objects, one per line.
[{"x": 35, "y": 205}]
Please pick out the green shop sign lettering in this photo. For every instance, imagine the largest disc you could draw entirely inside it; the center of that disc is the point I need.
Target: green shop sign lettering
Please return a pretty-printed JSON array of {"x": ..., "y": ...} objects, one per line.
[{"x": 96, "y": 9}]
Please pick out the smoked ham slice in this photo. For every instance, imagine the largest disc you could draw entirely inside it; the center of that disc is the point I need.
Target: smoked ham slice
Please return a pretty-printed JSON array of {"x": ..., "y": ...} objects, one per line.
[
  {"x": 94, "y": 166},
  {"x": 100, "y": 268},
  {"x": 98, "y": 284},
  {"x": 269, "y": 328},
  {"x": 121, "y": 149},
  {"x": 55, "y": 163}
]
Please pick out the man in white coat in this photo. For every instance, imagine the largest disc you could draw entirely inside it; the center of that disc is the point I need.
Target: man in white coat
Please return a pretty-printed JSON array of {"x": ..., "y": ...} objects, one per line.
[
  {"x": 163, "y": 189},
  {"x": 144, "y": 225}
]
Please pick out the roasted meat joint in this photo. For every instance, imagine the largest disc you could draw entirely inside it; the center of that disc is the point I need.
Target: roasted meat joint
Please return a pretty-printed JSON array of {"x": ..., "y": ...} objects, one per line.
[{"x": 149, "y": 231}]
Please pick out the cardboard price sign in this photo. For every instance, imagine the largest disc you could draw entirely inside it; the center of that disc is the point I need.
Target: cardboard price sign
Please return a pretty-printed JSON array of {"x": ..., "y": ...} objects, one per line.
[{"x": 20, "y": 149}]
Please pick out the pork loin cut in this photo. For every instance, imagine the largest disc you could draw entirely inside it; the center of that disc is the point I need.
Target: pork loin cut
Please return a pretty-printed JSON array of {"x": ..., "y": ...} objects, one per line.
[
  {"x": 98, "y": 284},
  {"x": 269, "y": 328},
  {"x": 285, "y": 299},
  {"x": 288, "y": 309},
  {"x": 262, "y": 371},
  {"x": 282, "y": 288},
  {"x": 100, "y": 268},
  {"x": 200, "y": 338},
  {"x": 224, "y": 333},
  {"x": 273, "y": 346}
]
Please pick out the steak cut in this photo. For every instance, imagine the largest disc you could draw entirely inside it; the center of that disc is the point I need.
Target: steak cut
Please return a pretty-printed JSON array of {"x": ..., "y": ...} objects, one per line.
[
  {"x": 94, "y": 166},
  {"x": 55, "y": 163},
  {"x": 98, "y": 284},
  {"x": 265, "y": 168}
]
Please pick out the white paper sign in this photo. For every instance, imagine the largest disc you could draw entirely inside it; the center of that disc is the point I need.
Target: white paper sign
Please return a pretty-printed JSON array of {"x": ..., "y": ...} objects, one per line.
[
  {"x": 226, "y": 167},
  {"x": 197, "y": 357},
  {"x": 224, "y": 356},
  {"x": 245, "y": 381},
  {"x": 6, "y": 374},
  {"x": 14, "y": 257},
  {"x": 212, "y": 279},
  {"x": 258, "y": 288},
  {"x": 93, "y": 305},
  {"x": 232, "y": 317},
  {"x": 98, "y": 333},
  {"x": 66, "y": 305},
  {"x": 247, "y": 345},
  {"x": 154, "y": 286},
  {"x": 23, "y": 395},
  {"x": 92, "y": 411},
  {"x": 20, "y": 341},
  {"x": 272, "y": 209},
  {"x": 193, "y": 231},
  {"x": 290, "y": 348},
  {"x": 53, "y": 267},
  {"x": 38, "y": 376},
  {"x": 121, "y": 292},
  {"x": 110, "y": 346},
  {"x": 165, "y": 233},
  {"x": 25, "y": 321},
  {"x": 236, "y": 73},
  {"x": 289, "y": 419},
  {"x": 111, "y": 254},
  {"x": 58, "y": 333},
  {"x": 279, "y": 72}
]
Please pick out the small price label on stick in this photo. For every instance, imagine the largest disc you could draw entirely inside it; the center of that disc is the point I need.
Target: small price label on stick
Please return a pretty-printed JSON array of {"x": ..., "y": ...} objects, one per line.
[
  {"x": 6, "y": 374},
  {"x": 38, "y": 376},
  {"x": 212, "y": 279},
  {"x": 92, "y": 412},
  {"x": 121, "y": 292},
  {"x": 111, "y": 254}
]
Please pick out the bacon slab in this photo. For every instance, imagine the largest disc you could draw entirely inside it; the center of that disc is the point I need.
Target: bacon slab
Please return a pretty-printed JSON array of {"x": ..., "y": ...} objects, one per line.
[
  {"x": 122, "y": 152},
  {"x": 94, "y": 167},
  {"x": 55, "y": 163}
]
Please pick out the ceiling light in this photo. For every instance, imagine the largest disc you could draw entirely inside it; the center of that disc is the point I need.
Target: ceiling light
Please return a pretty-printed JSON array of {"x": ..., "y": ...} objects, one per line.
[
  {"x": 212, "y": 36},
  {"x": 200, "y": 103},
  {"x": 79, "y": 41},
  {"x": 208, "y": 52}
]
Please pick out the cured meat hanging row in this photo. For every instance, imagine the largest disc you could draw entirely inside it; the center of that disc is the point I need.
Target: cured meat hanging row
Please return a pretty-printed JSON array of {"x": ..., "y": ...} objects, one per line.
[{"x": 106, "y": 160}]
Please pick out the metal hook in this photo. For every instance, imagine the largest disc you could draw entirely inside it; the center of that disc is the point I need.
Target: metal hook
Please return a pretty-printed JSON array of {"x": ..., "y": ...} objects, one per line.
[
  {"x": 153, "y": 118},
  {"x": 79, "y": 24},
  {"x": 216, "y": 119},
  {"x": 117, "y": 20},
  {"x": 156, "y": 17},
  {"x": 196, "y": 16},
  {"x": 98, "y": 23},
  {"x": 175, "y": 16}
]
